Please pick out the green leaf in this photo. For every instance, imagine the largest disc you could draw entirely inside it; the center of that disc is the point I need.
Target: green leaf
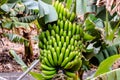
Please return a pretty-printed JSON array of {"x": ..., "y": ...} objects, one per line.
[
  {"x": 105, "y": 66},
  {"x": 37, "y": 76},
  {"x": 18, "y": 59},
  {"x": 48, "y": 11},
  {"x": 89, "y": 25},
  {"x": 88, "y": 37},
  {"x": 31, "y": 4},
  {"x": 15, "y": 38},
  {"x": 111, "y": 75}
]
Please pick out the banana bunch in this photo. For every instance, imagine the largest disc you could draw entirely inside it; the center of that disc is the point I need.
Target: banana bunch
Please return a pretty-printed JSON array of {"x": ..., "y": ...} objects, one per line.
[
  {"x": 60, "y": 45},
  {"x": 64, "y": 13}
]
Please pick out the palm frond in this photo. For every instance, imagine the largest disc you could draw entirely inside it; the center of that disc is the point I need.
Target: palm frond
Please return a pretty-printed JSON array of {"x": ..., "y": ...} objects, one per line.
[{"x": 15, "y": 38}]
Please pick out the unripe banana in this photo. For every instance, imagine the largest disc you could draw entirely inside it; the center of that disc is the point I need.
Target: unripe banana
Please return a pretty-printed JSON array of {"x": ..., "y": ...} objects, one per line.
[
  {"x": 68, "y": 14},
  {"x": 70, "y": 74},
  {"x": 62, "y": 8},
  {"x": 50, "y": 58},
  {"x": 72, "y": 18},
  {"x": 52, "y": 33},
  {"x": 60, "y": 16},
  {"x": 47, "y": 68},
  {"x": 61, "y": 32},
  {"x": 67, "y": 40},
  {"x": 65, "y": 45},
  {"x": 77, "y": 65},
  {"x": 65, "y": 61},
  {"x": 50, "y": 42},
  {"x": 77, "y": 29},
  {"x": 64, "y": 33},
  {"x": 74, "y": 28},
  {"x": 65, "y": 12},
  {"x": 61, "y": 57},
  {"x": 68, "y": 65},
  {"x": 59, "y": 44},
  {"x": 62, "y": 39},
  {"x": 58, "y": 51},
  {"x": 72, "y": 41},
  {"x": 45, "y": 40},
  {"x": 70, "y": 34},
  {"x": 46, "y": 72},
  {"x": 41, "y": 45},
  {"x": 72, "y": 55},
  {"x": 59, "y": 7},
  {"x": 57, "y": 29},
  {"x": 53, "y": 39},
  {"x": 70, "y": 26},
  {"x": 66, "y": 25},
  {"x": 58, "y": 23},
  {"x": 42, "y": 35},
  {"x": 55, "y": 44},
  {"x": 49, "y": 27},
  {"x": 48, "y": 77},
  {"x": 61, "y": 24},
  {"x": 48, "y": 35},
  {"x": 52, "y": 50},
  {"x": 63, "y": 50},
  {"x": 55, "y": 58},
  {"x": 47, "y": 62},
  {"x": 57, "y": 38},
  {"x": 67, "y": 52},
  {"x": 56, "y": 5}
]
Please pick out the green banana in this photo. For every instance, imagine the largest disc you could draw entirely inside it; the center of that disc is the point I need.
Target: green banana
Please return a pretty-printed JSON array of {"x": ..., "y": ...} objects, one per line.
[
  {"x": 60, "y": 16},
  {"x": 48, "y": 35},
  {"x": 41, "y": 45},
  {"x": 70, "y": 74},
  {"x": 70, "y": 26},
  {"x": 74, "y": 28},
  {"x": 61, "y": 24},
  {"x": 64, "y": 33},
  {"x": 61, "y": 32},
  {"x": 72, "y": 18},
  {"x": 52, "y": 33},
  {"x": 48, "y": 77},
  {"x": 46, "y": 67},
  {"x": 58, "y": 51},
  {"x": 50, "y": 58},
  {"x": 77, "y": 65},
  {"x": 72, "y": 55},
  {"x": 57, "y": 38},
  {"x": 65, "y": 45},
  {"x": 68, "y": 65},
  {"x": 47, "y": 62},
  {"x": 59, "y": 44},
  {"x": 67, "y": 40},
  {"x": 46, "y": 72},
  {"x": 70, "y": 34},
  {"x": 55, "y": 58},
  {"x": 62, "y": 39},
  {"x": 63, "y": 50},
  {"x": 55, "y": 44},
  {"x": 66, "y": 25},
  {"x": 45, "y": 40},
  {"x": 61, "y": 57},
  {"x": 72, "y": 41},
  {"x": 65, "y": 61},
  {"x": 57, "y": 29},
  {"x": 67, "y": 52}
]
